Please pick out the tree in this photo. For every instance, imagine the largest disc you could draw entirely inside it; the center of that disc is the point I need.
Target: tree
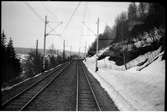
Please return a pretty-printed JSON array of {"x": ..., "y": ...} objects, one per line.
[
  {"x": 51, "y": 50},
  {"x": 156, "y": 15},
  {"x": 4, "y": 58},
  {"x": 132, "y": 12},
  {"x": 10, "y": 49},
  {"x": 142, "y": 9},
  {"x": 53, "y": 61},
  {"x": 11, "y": 68},
  {"x": 121, "y": 27},
  {"x": 52, "y": 58},
  {"x": 3, "y": 39},
  {"x": 33, "y": 64},
  {"x": 92, "y": 49},
  {"x": 12, "y": 60}
]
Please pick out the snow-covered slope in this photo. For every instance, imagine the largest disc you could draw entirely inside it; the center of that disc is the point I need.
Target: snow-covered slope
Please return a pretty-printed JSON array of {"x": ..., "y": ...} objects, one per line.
[{"x": 131, "y": 89}]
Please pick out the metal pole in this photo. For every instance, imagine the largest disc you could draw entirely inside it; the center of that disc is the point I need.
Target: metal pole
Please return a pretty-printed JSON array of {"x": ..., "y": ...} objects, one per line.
[
  {"x": 70, "y": 50},
  {"x": 85, "y": 51},
  {"x": 79, "y": 51},
  {"x": 63, "y": 49},
  {"x": 36, "y": 47},
  {"x": 85, "y": 48},
  {"x": 44, "y": 43},
  {"x": 97, "y": 41},
  {"x": 70, "y": 53}
]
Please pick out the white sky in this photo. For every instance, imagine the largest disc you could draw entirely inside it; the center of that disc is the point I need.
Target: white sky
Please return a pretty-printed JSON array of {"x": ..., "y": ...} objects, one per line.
[{"x": 24, "y": 27}]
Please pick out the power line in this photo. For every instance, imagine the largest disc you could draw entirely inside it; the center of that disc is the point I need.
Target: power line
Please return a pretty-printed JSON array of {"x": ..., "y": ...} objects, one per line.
[
  {"x": 32, "y": 9},
  {"x": 85, "y": 10},
  {"x": 49, "y": 11},
  {"x": 71, "y": 16},
  {"x": 55, "y": 28},
  {"x": 52, "y": 29},
  {"x": 89, "y": 29},
  {"x": 84, "y": 15}
]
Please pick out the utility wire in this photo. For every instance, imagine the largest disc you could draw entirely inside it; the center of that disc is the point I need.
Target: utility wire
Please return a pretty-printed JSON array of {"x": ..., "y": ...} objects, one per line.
[
  {"x": 71, "y": 17},
  {"x": 89, "y": 29},
  {"x": 49, "y": 11},
  {"x": 85, "y": 10},
  {"x": 54, "y": 28},
  {"x": 33, "y": 10},
  {"x": 84, "y": 15}
]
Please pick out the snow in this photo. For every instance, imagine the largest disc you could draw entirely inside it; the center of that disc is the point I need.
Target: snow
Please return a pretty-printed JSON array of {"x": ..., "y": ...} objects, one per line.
[
  {"x": 132, "y": 90},
  {"x": 150, "y": 56},
  {"x": 22, "y": 56},
  {"x": 10, "y": 87}
]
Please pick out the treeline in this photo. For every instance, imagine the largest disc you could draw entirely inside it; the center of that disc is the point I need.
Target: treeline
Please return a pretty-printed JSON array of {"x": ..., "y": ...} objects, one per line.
[
  {"x": 13, "y": 70},
  {"x": 34, "y": 62},
  {"x": 137, "y": 20},
  {"x": 10, "y": 64}
]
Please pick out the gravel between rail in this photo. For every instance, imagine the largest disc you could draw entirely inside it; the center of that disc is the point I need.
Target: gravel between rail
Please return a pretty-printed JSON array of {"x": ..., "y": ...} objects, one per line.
[
  {"x": 106, "y": 103},
  {"x": 60, "y": 95}
]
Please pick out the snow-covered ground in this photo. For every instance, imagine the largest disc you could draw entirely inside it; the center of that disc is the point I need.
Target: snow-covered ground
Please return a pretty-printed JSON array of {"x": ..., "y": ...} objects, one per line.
[{"x": 131, "y": 89}]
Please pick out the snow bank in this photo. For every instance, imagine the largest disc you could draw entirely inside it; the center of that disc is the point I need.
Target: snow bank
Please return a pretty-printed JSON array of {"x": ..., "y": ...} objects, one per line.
[
  {"x": 131, "y": 89},
  {"x": 10, "y": 87}
]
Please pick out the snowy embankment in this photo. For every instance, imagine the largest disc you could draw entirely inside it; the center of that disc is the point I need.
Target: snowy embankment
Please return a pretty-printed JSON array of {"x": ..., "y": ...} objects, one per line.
[
  {"x": 37, "y": 75},
  {"x": 131, "y": 89}
]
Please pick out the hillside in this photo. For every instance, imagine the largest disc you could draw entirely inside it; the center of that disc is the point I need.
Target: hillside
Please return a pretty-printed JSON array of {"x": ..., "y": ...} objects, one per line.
[
  {"x": 137, "y": 32},
  {"x": 131, "y": 64},
  {"x": 132, "y": 90},
  {"x": 148, "y": 42}
]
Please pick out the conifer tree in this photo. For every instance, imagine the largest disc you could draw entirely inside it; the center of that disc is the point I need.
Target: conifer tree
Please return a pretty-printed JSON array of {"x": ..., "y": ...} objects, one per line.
[
  {"x": 4, "y": 58},
  {"x": 14, "y": 66}
]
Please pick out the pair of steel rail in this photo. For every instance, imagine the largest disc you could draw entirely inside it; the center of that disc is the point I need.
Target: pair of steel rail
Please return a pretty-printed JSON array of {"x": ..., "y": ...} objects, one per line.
[
  {"x": 60, "y": 70},
  {"x": 89, "y": 87},
  {"x": 7, "y": 104}
]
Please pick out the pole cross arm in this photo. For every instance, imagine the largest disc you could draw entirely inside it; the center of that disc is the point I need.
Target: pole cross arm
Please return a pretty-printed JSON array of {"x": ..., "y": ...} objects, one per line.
[
  {"x": 53, "y": 29},
  {"x": 56, "y": 22},
  {"x": 55, "y": 34}
]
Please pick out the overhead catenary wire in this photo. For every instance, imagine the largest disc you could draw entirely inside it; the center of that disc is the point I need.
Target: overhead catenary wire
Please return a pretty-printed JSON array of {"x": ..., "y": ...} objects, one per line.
[
  {"x": 84, "y": 15},
  {"x": 54, "y": 28},
  {"x": 37, "y": 15},
  {"x": 33, "y": 10},
  {"x": 85, "y": 10},
  {"x": 49, "y": 11},
  {"x": 89, "y": 29},
  {"x": 71, "y": 17}
]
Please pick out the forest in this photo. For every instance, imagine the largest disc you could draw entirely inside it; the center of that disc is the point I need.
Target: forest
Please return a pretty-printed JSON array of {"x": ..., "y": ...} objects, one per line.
[
  {"x": 135, "y": 32},
  {"x": 14, "y": 70}
]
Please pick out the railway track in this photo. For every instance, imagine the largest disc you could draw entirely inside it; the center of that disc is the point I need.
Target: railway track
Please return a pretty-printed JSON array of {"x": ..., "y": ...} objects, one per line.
[
  {"x": 24, "y": 98},
  {"x": 86, "y": 99}
]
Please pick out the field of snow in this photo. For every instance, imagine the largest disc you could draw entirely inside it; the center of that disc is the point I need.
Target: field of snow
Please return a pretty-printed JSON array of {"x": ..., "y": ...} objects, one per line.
[{"x": 132, "y": 90}]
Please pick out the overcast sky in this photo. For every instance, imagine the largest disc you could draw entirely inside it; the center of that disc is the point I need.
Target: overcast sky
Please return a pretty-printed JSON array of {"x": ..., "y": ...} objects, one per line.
[{"x": 25, "y": 26}]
